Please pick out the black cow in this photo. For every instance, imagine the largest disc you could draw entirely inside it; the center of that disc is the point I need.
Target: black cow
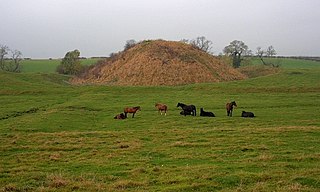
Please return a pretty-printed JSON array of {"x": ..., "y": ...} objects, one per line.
[
  {"x": 247, "y": 114},
  {"x": 205, "y": 113}
]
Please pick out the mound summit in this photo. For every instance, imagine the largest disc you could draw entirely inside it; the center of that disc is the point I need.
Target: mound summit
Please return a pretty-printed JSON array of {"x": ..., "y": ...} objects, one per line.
[{"x": 159, "y": 62}]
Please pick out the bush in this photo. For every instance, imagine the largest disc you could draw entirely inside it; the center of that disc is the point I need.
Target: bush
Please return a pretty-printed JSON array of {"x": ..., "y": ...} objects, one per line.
[{"x": 70, "y": 64}]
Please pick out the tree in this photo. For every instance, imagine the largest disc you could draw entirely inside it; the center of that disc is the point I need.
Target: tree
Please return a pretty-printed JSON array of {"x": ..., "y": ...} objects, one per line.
[
  {"x": 236, "y": 49},
  {"x": 202, "y": 43},
  {"x": 3, "y": 52},
  {"x": 130, "y": 43},
  {"x": 260, "y": 53},
  {"x": 70, "y": 64},
  {"x": 14, "y": 64},
  {"x": 10, "y": 64},
  {"x": 270, "y": 52}
]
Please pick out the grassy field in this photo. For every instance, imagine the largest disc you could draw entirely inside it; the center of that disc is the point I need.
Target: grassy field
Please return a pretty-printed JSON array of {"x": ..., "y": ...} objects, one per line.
[
  {"x": 58, "y": 137},
  {"x": 46, "y": 65},
  {"x": 288, "y": 63}
]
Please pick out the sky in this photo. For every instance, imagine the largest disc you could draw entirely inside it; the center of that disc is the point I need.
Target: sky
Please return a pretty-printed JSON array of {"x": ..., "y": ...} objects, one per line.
[{"x": 51, "y": 28}]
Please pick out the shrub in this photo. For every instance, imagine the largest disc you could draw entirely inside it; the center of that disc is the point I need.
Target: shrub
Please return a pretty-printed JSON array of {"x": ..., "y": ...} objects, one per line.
[{"x": 70, "y": 64}]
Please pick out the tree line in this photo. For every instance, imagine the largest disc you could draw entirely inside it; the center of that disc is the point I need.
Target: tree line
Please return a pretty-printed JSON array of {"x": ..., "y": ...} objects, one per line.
[{"x": 70, "y": 64}]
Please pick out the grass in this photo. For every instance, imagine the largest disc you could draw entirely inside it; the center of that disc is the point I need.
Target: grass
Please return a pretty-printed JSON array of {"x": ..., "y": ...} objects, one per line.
[
  {"x": 289, "y": 63},
  {"x": 46, "y": 65},
  {"x": 72, "y": 143}
]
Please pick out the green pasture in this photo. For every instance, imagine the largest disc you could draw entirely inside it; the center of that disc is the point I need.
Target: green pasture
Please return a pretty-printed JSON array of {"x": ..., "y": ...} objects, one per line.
[
  {"x": 287, "y": 63},
  {"x": 47, "y": 65},
  {"x": 58, "y": 137}
]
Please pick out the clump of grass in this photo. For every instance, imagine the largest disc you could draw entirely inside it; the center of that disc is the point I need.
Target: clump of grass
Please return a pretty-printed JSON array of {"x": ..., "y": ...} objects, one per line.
[
  {"x": 128, "y": 184},
  {"x": 57, "y": 181}
]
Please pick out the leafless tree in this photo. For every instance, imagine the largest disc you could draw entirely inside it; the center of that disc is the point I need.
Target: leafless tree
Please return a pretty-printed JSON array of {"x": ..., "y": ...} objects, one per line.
[
  {"x": 11, "y": 64},
  {"x": 260, "y": 53},
  {"x": 14, "y": 64},
  {"x": 266, "y": 53},
  {"x": 3, "y": 53},
  {"x": 271, "y": 51},
  {"x": 202, "y": 43},
  {"x": 130, "y": 43}
]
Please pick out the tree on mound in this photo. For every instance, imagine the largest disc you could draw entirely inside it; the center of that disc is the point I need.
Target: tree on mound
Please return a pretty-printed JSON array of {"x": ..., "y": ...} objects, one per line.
[
  {"x": 159, "y": 62},
  {"x": 202, "y": 43},
  {"x": 70, "y": 64}
]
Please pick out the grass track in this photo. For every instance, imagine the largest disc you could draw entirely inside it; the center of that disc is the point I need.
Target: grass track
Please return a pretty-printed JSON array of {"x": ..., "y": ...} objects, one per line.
[{"x": 71, "y": 141}]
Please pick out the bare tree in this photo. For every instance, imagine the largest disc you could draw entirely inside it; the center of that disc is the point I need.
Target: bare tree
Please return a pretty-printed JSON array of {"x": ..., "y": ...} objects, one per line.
[
  {"x": 266, "y": 53},
  {"x": 202, "y": 43},
  {"x": 129, "y": 43},
  {"x": 260, "y": 53},
  {"x": 3, "y": 53},
  {"x": 14, "y": 65},
  {"x": 271, "y": 51},
  {"x": 11, "y": 64},
  {"x": 236, "y": 49}
]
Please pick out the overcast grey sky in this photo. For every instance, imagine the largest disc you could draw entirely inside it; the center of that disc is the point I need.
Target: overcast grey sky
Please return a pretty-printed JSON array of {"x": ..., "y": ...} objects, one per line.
[{"x": 50, "y": 28}]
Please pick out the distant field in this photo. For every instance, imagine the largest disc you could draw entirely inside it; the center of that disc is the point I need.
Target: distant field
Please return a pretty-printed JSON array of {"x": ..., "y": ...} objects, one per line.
[
  {"x": 289, "y": 63},
  {"x": 58, "y": 137},
  {"x": 47, "y": 66}
]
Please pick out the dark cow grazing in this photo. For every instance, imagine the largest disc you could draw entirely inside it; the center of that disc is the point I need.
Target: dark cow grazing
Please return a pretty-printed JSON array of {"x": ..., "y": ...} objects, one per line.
[
  {"x": 185, "y": 113},
  {"x": 229, "y": 107},
  {"x": 120, "y": 116},
  {"x": 205, "y": 113},
  {"x": 188, "y": 108},
  {"x": 247, "y": 114}
]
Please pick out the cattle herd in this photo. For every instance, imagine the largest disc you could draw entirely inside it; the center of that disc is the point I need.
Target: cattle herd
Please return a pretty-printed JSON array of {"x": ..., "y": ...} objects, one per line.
[{"x": 186, "y": 110}]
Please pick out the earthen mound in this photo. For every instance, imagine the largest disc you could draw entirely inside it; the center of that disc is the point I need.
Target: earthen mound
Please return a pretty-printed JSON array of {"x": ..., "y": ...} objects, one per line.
[{"x": 159, "y": 62}]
